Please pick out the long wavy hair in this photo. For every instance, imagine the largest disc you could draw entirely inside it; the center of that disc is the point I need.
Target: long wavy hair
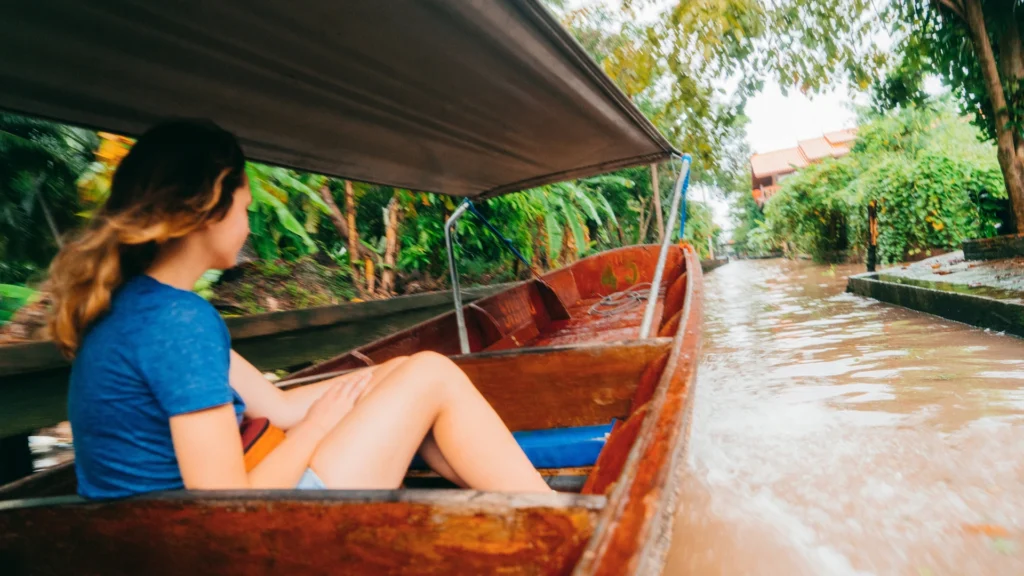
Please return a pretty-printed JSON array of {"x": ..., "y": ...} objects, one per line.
[{"x": 178, "y": 176}]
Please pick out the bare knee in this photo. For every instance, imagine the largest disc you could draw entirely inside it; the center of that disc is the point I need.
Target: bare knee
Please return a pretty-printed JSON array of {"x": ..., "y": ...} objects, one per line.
[
  {"x": 436, "y": 370},
  {"x": 431, "y": 362},
  {"x": 394, "y": 362}
]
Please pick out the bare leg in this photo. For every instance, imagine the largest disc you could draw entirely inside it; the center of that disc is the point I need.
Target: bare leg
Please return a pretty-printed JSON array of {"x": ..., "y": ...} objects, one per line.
[
  {"x": 429, "y": 450},
  {"x": 306, "y": 395},
  {"x": 431, "y": 454},
  {"x": 373, "y": 445}
]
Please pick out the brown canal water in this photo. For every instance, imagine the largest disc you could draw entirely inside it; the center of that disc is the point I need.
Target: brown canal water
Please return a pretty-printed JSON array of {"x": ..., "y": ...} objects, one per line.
[{"x": 833, "y": 434}]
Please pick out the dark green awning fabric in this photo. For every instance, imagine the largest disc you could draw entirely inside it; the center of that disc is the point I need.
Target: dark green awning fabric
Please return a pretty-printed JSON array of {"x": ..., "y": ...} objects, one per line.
[{"x": 464, "y": 97}]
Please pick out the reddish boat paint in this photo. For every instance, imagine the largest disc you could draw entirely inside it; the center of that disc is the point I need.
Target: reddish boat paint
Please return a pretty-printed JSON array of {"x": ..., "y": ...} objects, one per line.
[{"x": 541, "y": 360}]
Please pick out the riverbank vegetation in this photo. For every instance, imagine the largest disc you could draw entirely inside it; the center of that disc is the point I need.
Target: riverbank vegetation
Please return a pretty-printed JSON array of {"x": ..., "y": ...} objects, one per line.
[
  {"x": 933, "y": 181},
  {"x": 318, "y": 240}
]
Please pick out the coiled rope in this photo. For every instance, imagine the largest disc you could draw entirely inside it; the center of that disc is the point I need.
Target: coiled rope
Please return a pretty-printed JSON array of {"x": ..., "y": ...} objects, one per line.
[{"x": 623, "y": 300}]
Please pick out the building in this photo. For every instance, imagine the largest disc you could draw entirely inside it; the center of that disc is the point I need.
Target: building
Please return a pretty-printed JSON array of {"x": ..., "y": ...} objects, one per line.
[{"x": 770, "y": 168}]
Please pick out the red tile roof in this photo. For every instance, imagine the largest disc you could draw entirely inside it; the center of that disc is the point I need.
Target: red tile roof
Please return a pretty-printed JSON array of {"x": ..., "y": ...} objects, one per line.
[
  {"x": 816, "y": 149},
  {"x": 777, "y": 162},
  {"x": 841, "y": 136},
  {"x": 830, "y": 145}
]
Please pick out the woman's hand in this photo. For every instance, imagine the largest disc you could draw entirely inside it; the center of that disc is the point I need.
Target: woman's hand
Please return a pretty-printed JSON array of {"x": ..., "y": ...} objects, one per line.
[{"x": 337, "y": 401}]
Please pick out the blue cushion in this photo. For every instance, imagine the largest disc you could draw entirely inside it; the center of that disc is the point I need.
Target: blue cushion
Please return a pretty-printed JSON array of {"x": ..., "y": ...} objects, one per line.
[{"x": 557, "y": 447}]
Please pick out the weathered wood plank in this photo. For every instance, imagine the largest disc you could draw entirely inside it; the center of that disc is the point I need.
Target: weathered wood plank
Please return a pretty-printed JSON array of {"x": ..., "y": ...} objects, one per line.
[
  {"x": 608, "y": 468},
  {"x": 537, "y": 388},
  {"x": 671, "y": 326},
  {"x": 560, "y": 479},
  {"x": 635, "y": 528},
  {"x": 491, "y": 321},
  {"x": 622, "y": 268},
  {"x": 649, "y": 382},
  {"x": 295, "y": 532},
  {"x": 563, "y": 282},
  {"x": 675, "y": 297}
]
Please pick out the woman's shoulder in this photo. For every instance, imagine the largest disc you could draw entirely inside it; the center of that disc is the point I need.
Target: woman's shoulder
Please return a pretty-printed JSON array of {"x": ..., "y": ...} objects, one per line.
[
  {"x": 152, "y": 305},
  {"x": 147, "y": 319}
]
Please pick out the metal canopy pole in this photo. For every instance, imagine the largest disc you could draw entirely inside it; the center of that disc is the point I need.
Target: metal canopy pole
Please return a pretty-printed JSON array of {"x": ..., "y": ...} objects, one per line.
[
  {"x": 460, "y": 317},
  {"x": 682, "y": 181}
]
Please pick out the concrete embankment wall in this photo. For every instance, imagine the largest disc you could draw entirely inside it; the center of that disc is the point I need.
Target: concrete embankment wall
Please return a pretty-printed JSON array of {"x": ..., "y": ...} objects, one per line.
[{"x": 981, "y": 311}]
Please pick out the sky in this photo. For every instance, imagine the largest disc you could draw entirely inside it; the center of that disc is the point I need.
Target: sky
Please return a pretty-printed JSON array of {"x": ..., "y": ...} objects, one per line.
[{"x": 778, "y": 121}]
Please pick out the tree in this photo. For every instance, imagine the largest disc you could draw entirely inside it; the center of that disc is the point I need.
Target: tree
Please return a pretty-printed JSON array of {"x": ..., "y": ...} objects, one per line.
[
  {"x": 933, "y": 183},
  {"x": 280, "y": 197},
  {"x": 675, "y": 65},
  {"x": 392, "y": 215},
  {"x": 748, "y": 217},
  {"x": 668, "y": 78},
  {"x": 568, "y": 209},
  {"x": 40, "y": 163},
  {"x": 975, "y": 46}
]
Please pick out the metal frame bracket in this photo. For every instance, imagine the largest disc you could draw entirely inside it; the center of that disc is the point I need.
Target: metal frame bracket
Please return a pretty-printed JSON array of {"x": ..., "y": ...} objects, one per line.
[
  {"x": 460, "y": 316},
  {"x": 678, "y": 194}
]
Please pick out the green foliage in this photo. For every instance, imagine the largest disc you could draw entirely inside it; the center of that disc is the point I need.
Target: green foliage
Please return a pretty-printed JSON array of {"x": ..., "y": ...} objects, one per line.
[
  {"x": 903, "y": 85},
  {"x": 811, "y": 208},
  {"x": 286, "y": 208},
  {"x": 550, "y": 226},
  {"x": 204, "y": 287},
  {"x": 40, "y": 162},
  {"x": 664, "y": 68},
  {"x": 761, "y": 241},
  {"x": 672, "y": 64},
  {"x": 933, "y": 39},
  {"x": 749, "y": 232},
  {"x": 265, "y": 285},
  {"x": 933, "y": 182},
  {"x": 701, "y": 227},
  {"x": 12, "y": 298},
  {"x": 579, "y": 209}
]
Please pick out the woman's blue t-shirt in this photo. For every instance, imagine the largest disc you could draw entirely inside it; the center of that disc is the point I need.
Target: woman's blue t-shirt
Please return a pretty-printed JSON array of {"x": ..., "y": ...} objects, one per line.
[{"x": 158, "y": 352}]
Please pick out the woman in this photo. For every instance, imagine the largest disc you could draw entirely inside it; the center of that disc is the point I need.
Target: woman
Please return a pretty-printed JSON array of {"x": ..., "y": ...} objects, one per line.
[{"x": 157, "y": 394}]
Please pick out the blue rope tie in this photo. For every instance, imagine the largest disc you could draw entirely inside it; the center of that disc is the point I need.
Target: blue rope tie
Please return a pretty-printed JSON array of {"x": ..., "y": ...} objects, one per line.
[{"x": 682, "y": 201}]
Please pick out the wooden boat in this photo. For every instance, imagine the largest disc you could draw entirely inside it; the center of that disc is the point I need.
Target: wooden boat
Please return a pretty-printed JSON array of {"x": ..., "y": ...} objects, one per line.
[
  {"x": 543, "y": 360},
  {"x": 471, "y": 99}
]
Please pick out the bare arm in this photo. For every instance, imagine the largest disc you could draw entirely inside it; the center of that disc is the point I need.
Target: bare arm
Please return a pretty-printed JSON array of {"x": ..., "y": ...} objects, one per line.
[
  {"x": 208, "y": 444},
  {"x": 209, "y": 450},
  {"x": 284, "y": 409}
]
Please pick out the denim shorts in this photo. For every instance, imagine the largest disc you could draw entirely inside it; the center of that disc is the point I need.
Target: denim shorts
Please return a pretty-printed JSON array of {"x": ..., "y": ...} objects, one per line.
[{"x": 310, "y": 481}]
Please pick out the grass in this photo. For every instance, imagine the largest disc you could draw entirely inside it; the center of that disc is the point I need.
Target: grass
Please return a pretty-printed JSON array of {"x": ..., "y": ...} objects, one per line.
[{"x": 12, "y": 298}]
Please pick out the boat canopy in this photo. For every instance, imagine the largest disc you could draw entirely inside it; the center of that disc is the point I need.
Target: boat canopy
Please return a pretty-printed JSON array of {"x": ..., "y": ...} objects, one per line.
[{"x": 470, "y": 98}]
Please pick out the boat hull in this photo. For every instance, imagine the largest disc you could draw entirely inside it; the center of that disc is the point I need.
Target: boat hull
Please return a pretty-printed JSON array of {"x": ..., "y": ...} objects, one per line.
[{"x": 542, "y": 357}]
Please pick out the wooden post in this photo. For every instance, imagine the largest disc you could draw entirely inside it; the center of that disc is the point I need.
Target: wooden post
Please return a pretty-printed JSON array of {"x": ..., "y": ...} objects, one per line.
[
  {"x": 353, "y": 235},
  {"x": 371, "y": 276},
  {"x": 657, "y": 202},
  {"x": 872, "y": 236},
  {"x": 387, "y": 275}
]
